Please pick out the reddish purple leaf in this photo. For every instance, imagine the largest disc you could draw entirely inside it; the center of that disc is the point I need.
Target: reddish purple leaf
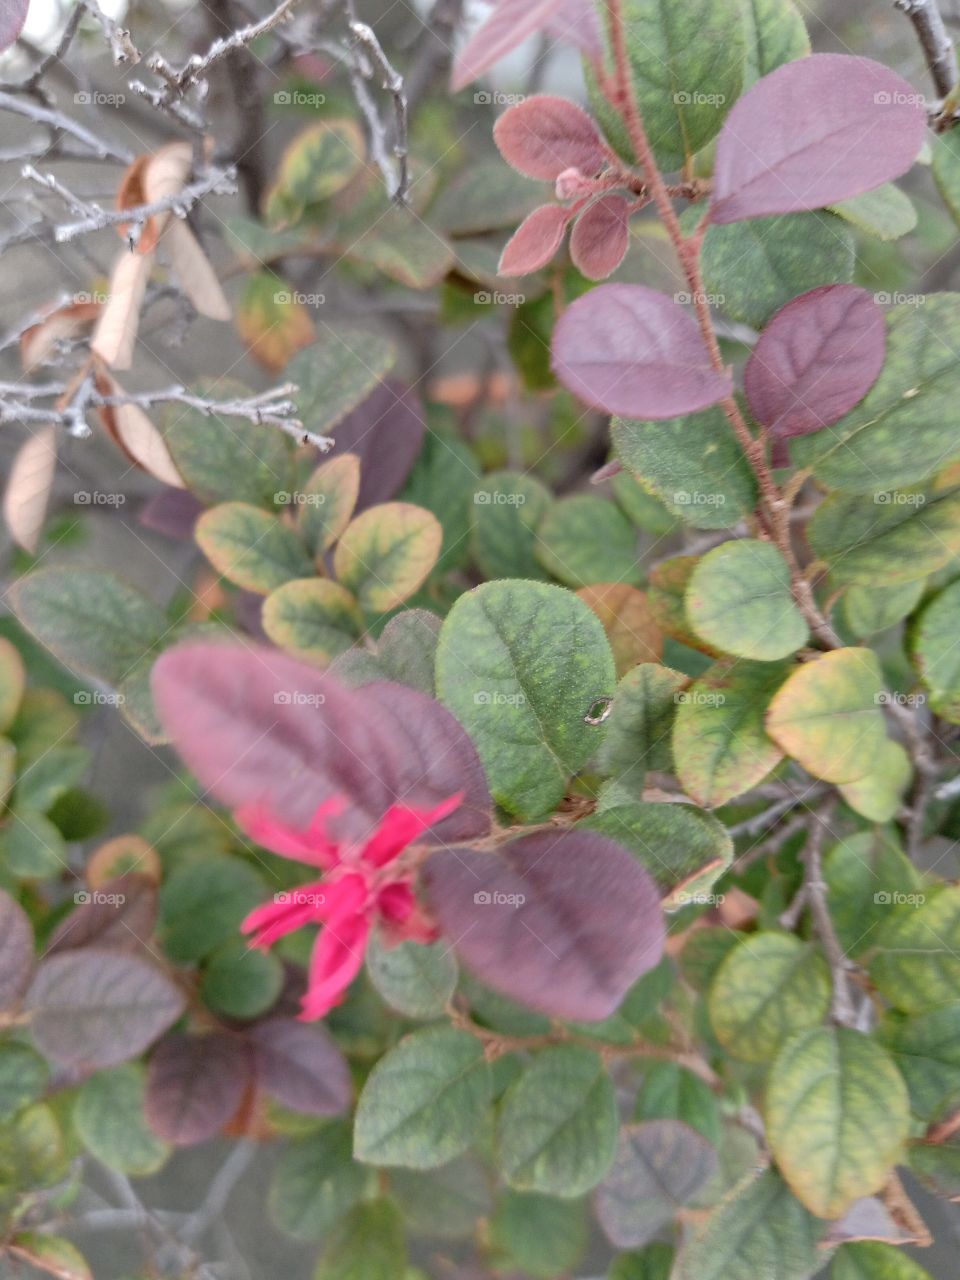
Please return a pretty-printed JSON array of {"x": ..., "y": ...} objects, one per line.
[
  {"x": 576, "y": 22},
  {"x": 816, "y": 359},
  {"x": 195, "y": 1085},
  {"x": 16, "y": 951},
  {"x": 121, "y": 915},
  {"x": 564, "y": 922},
  {"x": 542, "y": 136},
  {"x": 13, "y": 14},
  {"x": 301, "y": 1066},
  {"x": 172, "y": 512},
  {"x": 632, "y": 351},
  {"x": 813, "y": 132},
  {"x": 600, "y": 236},
  {"x": 256, "y": 726},
  {"x": 95, "y": 1008},
  {"x": 385, "y": 432},
  {"x": 535, "y": 241},
  {"x": 511, "y": 22}
]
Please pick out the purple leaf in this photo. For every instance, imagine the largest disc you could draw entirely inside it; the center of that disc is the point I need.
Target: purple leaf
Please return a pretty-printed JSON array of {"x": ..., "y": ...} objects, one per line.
[
  {"x": 543, "y": 136},
  {"x": 506, "y": 28},
  {"x": 301, "y": 1066},
  {"x": 121, "y": 914},
  {"x": 632, "y": 351},
  {"x": 562, "y": 922},
  {"x": 258, "y": 727},
  {"x": 16, "y": 951},
  {"x": 659, "y": 1166},
  {"x": 172, "y": 512},
  {"x": 95, "y": 1008},
  {"x": 13, "y": 14},
  {"x": 576, "y": 22},
  {"x": 816, "y": 359},
  {"x": 535, "y": 241},
  {"x": 600, "y": 237},
  {"x": 813, "y": 132},
  {"x": 385, "y": 432},
  {"x": 195, "y": 1085}
]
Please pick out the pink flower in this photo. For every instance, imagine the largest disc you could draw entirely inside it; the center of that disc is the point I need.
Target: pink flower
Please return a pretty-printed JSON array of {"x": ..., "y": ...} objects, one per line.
[{"x": 362, "y": 886}]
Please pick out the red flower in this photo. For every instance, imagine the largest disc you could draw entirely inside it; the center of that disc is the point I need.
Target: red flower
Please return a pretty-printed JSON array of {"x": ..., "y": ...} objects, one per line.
[{"x": 361, "y": 887}]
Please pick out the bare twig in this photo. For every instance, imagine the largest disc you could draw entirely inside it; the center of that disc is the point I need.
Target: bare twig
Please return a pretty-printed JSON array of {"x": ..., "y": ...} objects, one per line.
[
  {"x": 197, "y": 67},
  {"x": 392, "y": 82},
  {"x": 843, "y": 1009},
  {"x": 57, "y": 121},
  {"x": 935, "y": 42}
]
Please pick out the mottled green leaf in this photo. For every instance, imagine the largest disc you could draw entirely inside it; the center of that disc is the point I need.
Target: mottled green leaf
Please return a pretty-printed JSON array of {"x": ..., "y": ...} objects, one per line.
[
  {"x": 837, "y": 1117},
  {"x": 879, "y": 794},
  {"x": 586, "y": 539},
  {"x": 368, "y": 1244},
  {"x": 327, "y": 501},
  {"x": 203, "y": 902},
  {"x": 739, "y": 599},
  {"x": 775, "y": 33},
  {"x": 316, "y": 1182},
  {"x": 521, "y": 664},
  {"x": 886, "y": 212},
  {"x": 934, "y": 648},
  {"x": 541, "y": 1235},
  {"x": 874, "y": 1260},
  {"x": 507, "y": 508},
  {"x": 672, "y": 1092},
  {"x": 416, "y": 980},
  {"x": 386, "y": 553},
  {"x": 312, "y": 618},
  {"x": 917, "y": 961},
  {"x": 865, "y": 873},
  {"x": 640, "y": 723},
  {"x": 338, "y": 372},
  {"x": 251, "y": 548},
  {"x": 109, "y": 1117},
  {"x": 23, "y": 1076},
  {"x": 768, "y": 987},
  {"x": 873, "y": 608},
  {"x": 926, "y": 1049},
  {"x": 318, "y": 163}
]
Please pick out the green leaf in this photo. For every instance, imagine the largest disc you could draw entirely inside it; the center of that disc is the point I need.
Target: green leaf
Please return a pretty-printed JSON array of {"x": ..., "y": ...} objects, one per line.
[
  {"x": 487, "y": 196},
  {"x": 252, "y": 549},
  {"x": 317, "y": 164},
  {"x": 424, "y": 1102},
  {"x": 687, "y": 64},
  {"x": 739, "y": 599},
  {"x": 672, "y": 1092},
  {"x": 640, "y": 723},
  {"x": 937, "y": 1167},
  {"x": 926, "y": 1050},
  {"x": 203, "y": 903},
  {"x": 229, "y": 459},
  {"x": 397, "y": 242},
  {"x": 917, "y": 963},
  {"x": 42, "y": 784},
  {"x": 338, "y": 372},
  {"x": 886, "y": 212},
  {"x": 444, "y": 1203},
  {"x": 874, "y": 1260},
  {"x": 23, "y": 1076},
  {"x": 946, "y": 171},
  {"x": 828, "y": 714},
  {"x": 933, "y": 647},
  {"x": 442, "y": 481},
  {"x": 837, "y": 1117},
  {"x": 586, "y": 539},
  {"x": 271, "y": 321},
  {"x": 683, "y": 848},
  {"x": 867, "y": 610},
  {"x": 653, "y": 1263},
  {"x": 760, "y": 1230},
  {"x": 240, "y": 981},
  {"x": 91, "y": 621},
  {"x": 775, "y": 34},
  {"x": 891, "y": 538},
  {"x": 539, "y": 1235},
  {"x": 865, "y": 872},
  {"x": 316, "y": 1182},
  {"x": 752, "y": 269},
  {"x": 879, "y": 794},
  {"x": 507, "y": 508},
  {"x": 720, "y": 743},
  {"x": 407, "y": 653},
  {"x": 521, "y": 664},
  {"x": 905, "y": 428},
  {"x": 13, "y": 683},
  {"x": 369, "y": 1244},
  {"x": 770, "y": 986},
  {"x": 416, "y": 980},
  {"x": 557, "y": 1128},
  {"x": 387, "y": 553},
  {"x": 109, "y": 1118},
  {"x": 694, "y": 465},
  {"x": 327, "y": 501},
  {"x": 52, "y": 1255},
  {"x": 312, "y": 618},
  {"x": 31, "y": 847}
]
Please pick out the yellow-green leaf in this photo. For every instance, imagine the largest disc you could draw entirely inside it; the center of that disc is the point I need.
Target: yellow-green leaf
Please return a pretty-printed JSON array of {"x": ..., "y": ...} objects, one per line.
[
  {"x": 313, "y": 618},
  {"x": 327, "y": 502},
  {"x": 252, "y": 548},
  {"x": 272, "y": 321},
  {"x": 386, "y": 553},
  {"x": 317, "y": 164}
]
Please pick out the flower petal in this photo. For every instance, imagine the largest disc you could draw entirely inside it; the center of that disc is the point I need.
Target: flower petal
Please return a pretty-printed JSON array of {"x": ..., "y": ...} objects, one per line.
[
  {"x": 337, "y": 959},
  {"x": 400, "y": 826},
  {"x": 312, "y": 846},
  {"x": 286, "y": 913},
  {"x": 402, "y": 917}
]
